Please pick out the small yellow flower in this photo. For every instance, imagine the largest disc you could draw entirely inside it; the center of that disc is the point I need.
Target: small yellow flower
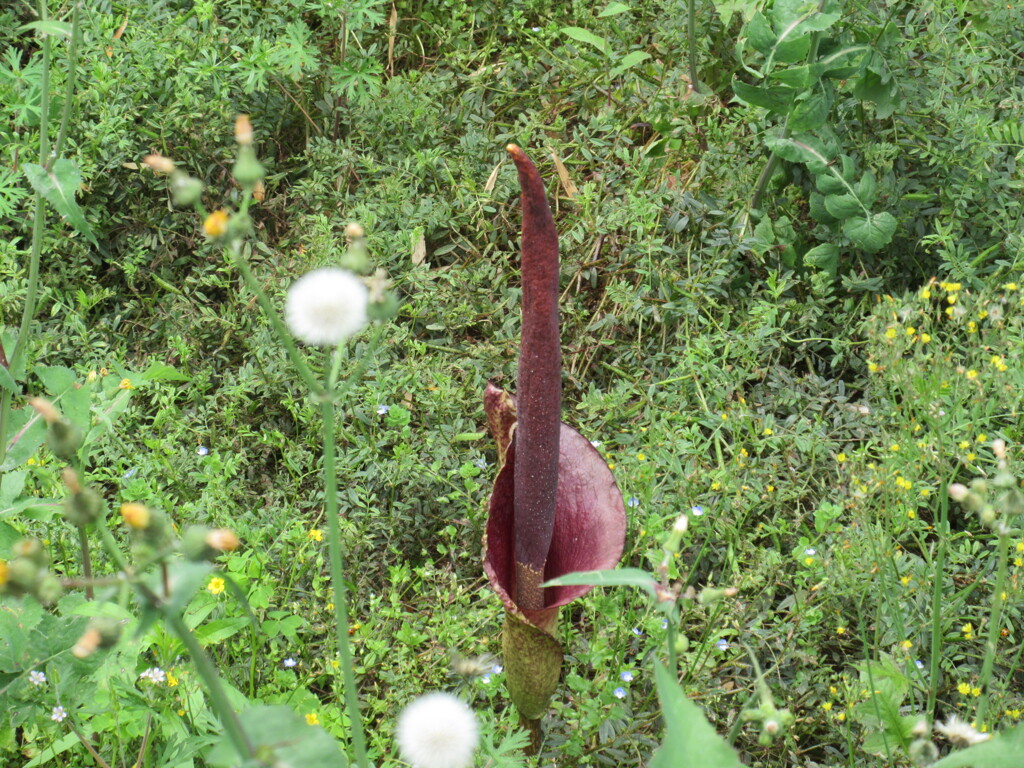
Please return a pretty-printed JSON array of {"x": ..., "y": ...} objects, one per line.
[
  {"x": 983, "y": 314},
  {"x": 126, "y": 384},
  {"x": 1009, "y": 286},
  {"x": 839, "y": 631},
  {"x": 716, "y": 486},
  {"x": 911, "y": 330},
  {"x": 964, "y": 688},
  {"x": 329, "y": 606},
  {"x": 905, "y": 580},
  {"x": 172, "y": 681},
  {"x": 181, "y": 713},
  {"x": 926, "y": 294},
  {"x": 808, "y": 561},
  {"x": 312, "y": 719},
  {"x": 951, "y": 298},
  {"x": 873, "y": 367},
  {"x": 216, "y": 223},
  {"x": 1018, "y": 562},
  {"x": 216, "y": 585},
  {"x": 767, "y": 432},
  {"x": 641, "y": 457},
  {"x": 890, "y": 333},
  {"x": 972, "y": 374},
  {"x": 770, "y": 489},
  {"x": 975, "y": 691},
  {"x": 925, "y": 338},
  {"x": 906, "y": 645},
  {"x": 315, "y": 534},
  {"x": 964, "y": 445},
  {"x": 972, "y": 327},
  {"x": 335, "y": 663},
  {"x": 968, "y": 630},
  {"x": 894, "y": 447},
  {"x": 136, "y": 516},
  {"x": 611, "y": 465},
  {"x": 982, "y": 438},
  {"x": 970, "y": 457},
  {"x": 841, "y": 458},
  {"x": 840, "y": 716},
  {"x": 827, "y": 706},
  {"x": 1020, "y": 546},
  {"x": 926, "y": 492}
]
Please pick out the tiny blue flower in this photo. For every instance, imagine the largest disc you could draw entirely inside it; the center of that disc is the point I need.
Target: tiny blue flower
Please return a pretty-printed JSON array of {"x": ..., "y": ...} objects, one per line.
[
  {"x": 664, "y": 623},
  {"x": 202, "y": 450},
  {"x": 633, "y": 501},
  {"x": 130, "y": 473},
  {"x": 497, "y": 669},
  {"x": 481, "y": 462},
  {"x": 697, "y": 510},
  {"x": 620, "y": 693},
  {"x": 722, "y": 645},
  {"x": 485, "y": 679},
  {"x": 810, "y": 551},
  {"x": 919, "y": 663},
  {"x": 290, "y": 662},
  {"x": 637, "y": 631},
  {"x": 383, "y": 409},
  {"x": 626, "y": 677}
]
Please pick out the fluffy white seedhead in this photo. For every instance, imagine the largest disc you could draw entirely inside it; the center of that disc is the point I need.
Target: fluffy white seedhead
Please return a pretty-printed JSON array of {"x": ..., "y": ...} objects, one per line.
[
  {"x": 437, "y": 730},
  {"x": 326, "y": 306},
  {"x": 960, "y": 733}
]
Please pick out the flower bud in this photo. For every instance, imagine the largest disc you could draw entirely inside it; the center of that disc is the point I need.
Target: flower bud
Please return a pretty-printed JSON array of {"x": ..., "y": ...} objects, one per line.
[
  {"x": 382, "y": 310},
  {"x": 243, "y": 130},
  {"x": 923, "y": 752},
  {"x": 45, "y": 409},
  {"x": 159, "y": 163},
  {"x": 136, "y": 516},
  {"x": 83, "y": 508},
  {"x": 247, "y": 170},
  {"x": 710, "y": 596},
  {"x": 354, "y": 231},
  {"x": 64, "y": 439},
  {"x": 87, "y": 644},
  {"x": 259, "y": 192},
  {"x": 999, "y": 448},
  {"x": 70, "y": 478},
  {"x": 223, "y": 539},
  {"x": 682, "y": 643},
  {"x": 23, "y": 576},
  {"x": 239, "y": 225},
  {"x": 185, "y": 190},
  {"x": 958, "y": 491},
  {"x": 49, "y": 589},
  {"x": 32, "y": 550},
  {"x": 216, "y": 224},
  {"x": 355, "y": 259}
]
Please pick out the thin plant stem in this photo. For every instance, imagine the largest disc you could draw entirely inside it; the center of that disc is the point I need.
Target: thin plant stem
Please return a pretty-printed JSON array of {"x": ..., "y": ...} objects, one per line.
[
  {"x": 942, "y": 529},
  {"x": 72, "y": 76},
  {"x": 83, "y": 541},
  {"x": 205, "y": 668},
  {"x": 691, "y": 41},
  {"x": 338, "y": 586},
  {"x": 995, "y": 622}
]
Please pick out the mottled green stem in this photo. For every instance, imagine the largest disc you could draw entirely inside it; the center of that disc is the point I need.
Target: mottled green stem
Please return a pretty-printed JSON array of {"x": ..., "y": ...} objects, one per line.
[{"x": 995, "y": 621}]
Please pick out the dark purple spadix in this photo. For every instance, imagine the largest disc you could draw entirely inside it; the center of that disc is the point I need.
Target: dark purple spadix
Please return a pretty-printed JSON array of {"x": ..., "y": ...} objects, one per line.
[{"x": 538, "y": 388}]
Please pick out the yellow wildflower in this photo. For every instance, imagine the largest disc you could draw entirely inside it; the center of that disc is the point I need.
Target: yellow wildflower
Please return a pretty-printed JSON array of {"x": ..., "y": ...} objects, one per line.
[
  {"x": 216, "y": 223},
  {"x": 216, "y": 585}
]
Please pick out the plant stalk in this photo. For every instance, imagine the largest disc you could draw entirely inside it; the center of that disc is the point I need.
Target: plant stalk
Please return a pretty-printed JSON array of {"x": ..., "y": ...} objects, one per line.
[{"x": 995, "y": 622}]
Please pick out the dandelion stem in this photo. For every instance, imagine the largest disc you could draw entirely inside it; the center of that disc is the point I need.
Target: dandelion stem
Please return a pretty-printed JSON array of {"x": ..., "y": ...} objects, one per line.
[{"x": 942, "y": 529}]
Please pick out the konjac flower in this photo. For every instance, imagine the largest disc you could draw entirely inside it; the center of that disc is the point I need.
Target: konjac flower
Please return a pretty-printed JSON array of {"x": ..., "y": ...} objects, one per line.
[
  {"x": 326, "y": 306},
  {"x": 437, "y": 730}
]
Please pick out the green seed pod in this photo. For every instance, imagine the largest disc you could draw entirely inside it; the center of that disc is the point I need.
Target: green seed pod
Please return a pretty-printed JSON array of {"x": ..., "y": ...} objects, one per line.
[
  {"x": 23, "y": 576},
  {"x": 682, "y": 643},
  {"x": 64, "y": 440},
  {"x": 185, "y": 190},
  {"x": 33, "y": 550},
  {"x": 49, "y": 589},
  {"x": 239, "y": 225},
  {"x": 247, "y": 170},
  {"x": 385, "y": 309},
  {"x": 194, "y": 546},
  {"x": 83, "y": 508}
]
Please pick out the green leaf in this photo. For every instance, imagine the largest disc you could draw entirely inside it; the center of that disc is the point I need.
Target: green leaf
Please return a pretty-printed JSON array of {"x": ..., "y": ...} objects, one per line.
[
  {"x": 867, "y": 189},
  {"x": 810, "y": 113},
  {"x": 58, "y": 186},
  {"x": 687, "y": 731},
  {"x": 775, "y": 98},
  {"x": 629, "y": 60},
  {"x": 819, "y": 212},
  {"x": 48, "y": 27},
  {"x": 617, "y": 577},
  {"x": 1004, "y": 750},
  {"x": 56, "y": 378},
  {"x": 843, "y": 206},
  {"x": 824, "y": 257},
  {"x": 219, "y": 630},
  {"x": 760, "y": 34},
  {"x": 800, "y": 77},
  {"x": 871, "y": 233},
  {"x": 281, "y": 737},
  {"x": 586, "y": 36},
  {"x": 809, "y": 151},
  {"x": 613, "y": 9},
  {"x": 162, "y": 372},
  {"x": 6, "y": 380}
]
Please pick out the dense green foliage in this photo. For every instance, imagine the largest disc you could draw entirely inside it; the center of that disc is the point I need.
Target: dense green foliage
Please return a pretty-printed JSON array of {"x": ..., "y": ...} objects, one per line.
[{"x": 805, "y": 348}]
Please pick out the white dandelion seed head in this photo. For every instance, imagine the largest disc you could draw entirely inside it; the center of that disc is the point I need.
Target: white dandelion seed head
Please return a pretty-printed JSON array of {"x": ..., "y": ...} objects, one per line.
[
  {"x": 437, "y": 730},
  {"x": 961, "y": 733},
  {"x": 326, "y": 306}
]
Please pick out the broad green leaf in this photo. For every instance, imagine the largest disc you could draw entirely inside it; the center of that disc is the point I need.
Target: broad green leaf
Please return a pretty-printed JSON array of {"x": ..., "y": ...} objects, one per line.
[
  {"x": 6, "y": 380},
  {"x": 844, "y": 62},
  {"x": 619, "y": 577},
  {"x": 219, "y": 630},
  {"x": 818, "y": 22},
  {"x": 56, "y": 378},
  {"x": 282, "y": 737},
  {"x": 824, "y": 257},
  {"x": 27, "y": 434},
  {"x": 9, "y": 536},
  {"x": 810, "y": 113},
  {"x": 689, "y": 738},
  {"x": 760, "y": 34},
  {"x": 629, "y": 60},
  {"x": 162, "y": 372},
  {"x": 776, "y": 98},
  {"x": 843, "y": 206},
  {"x": 49, "y": 27},
  {"x": 793, "y": 49},
  {"x": 800, "y": 77},
  {"x": 58, "y": 186},
  {"x": 1004, "y": 750},
  {"x": 807, "y": 151},
  {"x": 871, "y": 233},
  {"x": 816, "y": 204},
  {"x": 867, "y": 189},
  {"x": 726, "y": 9},
  {"x": 613, "y": 9},
  {"x": 586, "y": 36}
]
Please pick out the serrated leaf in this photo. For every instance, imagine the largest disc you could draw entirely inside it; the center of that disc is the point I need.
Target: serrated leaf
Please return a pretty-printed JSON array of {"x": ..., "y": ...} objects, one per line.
[
  {"x": 586, "y": 36},
  {"x": 872, "y": 233},
  {"x": 58, "y": 186},
  {"x": 6, "y": 380},
  {"x": 843, "y": 206},
  {"x": 687, "y": 730},
  {"x": 613, "y": 9},
  {"x": 760, "y": 34},
  {"x": 839, "y": 64},
  {"x": 776, "y": 98},
  {"x": 811, "y": 113}
]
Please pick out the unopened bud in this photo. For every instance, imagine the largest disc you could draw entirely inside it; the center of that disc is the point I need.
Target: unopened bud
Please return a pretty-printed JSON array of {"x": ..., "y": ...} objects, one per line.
[
  {"x": 259, "y": 191},
  {"x": 243, "y": 130},
  {"x": 385, "y": 309},
  {"x": 216, "y": 224},
  {"x": 33, "y": 550},
  {"x": 999, "y": 448},
  {"x": 23, "y": 576},
  {"x": 49, "y": 589},
  {"x": 709, "y": 596},
  {"x": 239, "y": 225},
  {"x": 223, "y": 539},
  {"x": 70, "y": 478},
  {"x": 247, "y": 170},
  {"x": 185, "y": 190},
  {"x": 136, "y": 516},
  {"x": 45, "y": 409},
  {"x": 958, "y": 491},
  {"x": 83, "y": 508},
  {"x": 159, "y": 163},
  {"x": 354, "y": 231},
  {"x": 87, "y": 644},
  {"x": 921, "y": 728},
  {"x": 64, "y": 439},
  {"x": 987, "y": 515},
  {"x": 923, "y": 752}
]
